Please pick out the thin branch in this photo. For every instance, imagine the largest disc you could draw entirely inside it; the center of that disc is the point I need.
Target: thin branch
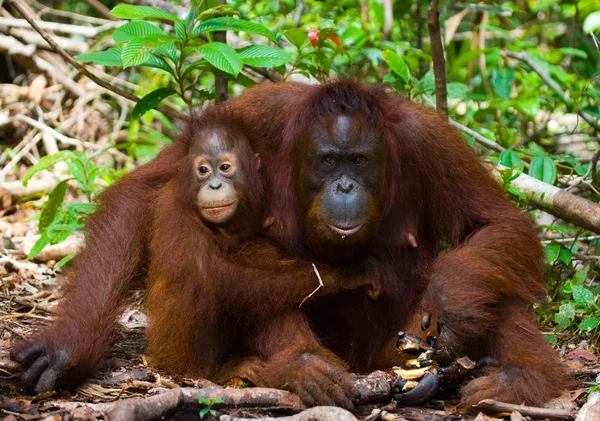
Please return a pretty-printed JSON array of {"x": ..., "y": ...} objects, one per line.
[
  {"x": 437, "y": 53},
  {"x": 388, "y": 18},
  {"x": 221, "y": 83},
  {"x": 63, "y": 28},
  {"x": 478, "y": 138},
  {"x": 551, "y": 413},
  {"x": 321, "y": 285},
  {"x": 524, "y": 57},
  {"x": 83, "y": 69}
]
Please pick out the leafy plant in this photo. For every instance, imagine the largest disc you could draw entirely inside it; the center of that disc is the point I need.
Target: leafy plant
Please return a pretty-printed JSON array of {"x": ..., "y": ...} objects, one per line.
[
  {"x": 185, "y": 49},
  {"x": 208, "y": 406},
  {"x": 58, "y": 220}
]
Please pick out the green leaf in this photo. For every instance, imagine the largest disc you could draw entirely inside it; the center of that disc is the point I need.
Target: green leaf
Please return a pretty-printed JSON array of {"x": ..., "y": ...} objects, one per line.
[
  {"x": 136, "y": 52},
  {"x": 297, "y": 37},
  {"x": 222, "y": 56},
  {"x": 110, "y": 57},
  {"x": 575, "y": 52},
  {"x": 39, "y": 245},
  {"x": 134, "y": 29},
  {"x": 565, "y": 255},
  {"x": 530, "y": 106},
  {"x": 168, "y": 50},
  {"x": 204, "y": 411},
  {"x": 129, "y": 11},
  {"x": 180, "y": 30},
  {"x": 77, "y": 169},
  {"x": 589, "y": 324},
  {"x": 567, "y": 310},
  {"x": 396, "y": 63},
  {"x": 582, "y": 295},
  {"x": 592, "y": 22},
  {"x": 510, "y": 159},
  {"x": 580, "y": 276},
  {"x": 457, "y": 90},
  {"x": 55, "y": 199},
  {"x": 82, "y": 207},
  {"x": 543, "y": 168},
  {"x": 552, "y": 252},
  {"x": 233, "y": 24},
  {"x": 552, "y": 339},
  {"x": 150, "y": 101},
  {"x": 63, "y": 261},
  {"x": 263, "y": 56},
  {"x": 158, "y": 63},
  {"x": 502, "y": 79},
  {"x": 46, "y": 162},
  {"x": 218, "y": 11}
]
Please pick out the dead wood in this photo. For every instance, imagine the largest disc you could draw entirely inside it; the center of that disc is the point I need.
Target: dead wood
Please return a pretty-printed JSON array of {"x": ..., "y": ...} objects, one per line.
[
  {"x": 155, "y": 407},
  {"x": 318, "y": 413},
  {"x": 490, "y": 405}
]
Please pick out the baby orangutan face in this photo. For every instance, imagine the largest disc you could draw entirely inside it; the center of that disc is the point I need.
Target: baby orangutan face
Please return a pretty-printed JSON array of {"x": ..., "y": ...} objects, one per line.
[{"x": 221, "y": 176}]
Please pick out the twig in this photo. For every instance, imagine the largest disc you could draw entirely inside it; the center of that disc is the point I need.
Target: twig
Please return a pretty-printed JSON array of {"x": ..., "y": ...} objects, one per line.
[
  {"x": 531, "y": 411},
  {"x": 63, "y": 28},
  {"x": 591, "y": 170},
  {"x": 221, "y": 83},
  {"x": 321, "y": 285},
  {"x": 524, "y": 57},
  {"x": 83, "y": 69},
  {"x": 35, "y": 139},
  {"x": 478, "y": 138},
  {"x": 437, "y": 53}
]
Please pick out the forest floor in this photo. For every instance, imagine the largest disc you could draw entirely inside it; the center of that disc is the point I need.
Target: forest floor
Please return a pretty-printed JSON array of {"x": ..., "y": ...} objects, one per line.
[{"x": 30, "y": 292}]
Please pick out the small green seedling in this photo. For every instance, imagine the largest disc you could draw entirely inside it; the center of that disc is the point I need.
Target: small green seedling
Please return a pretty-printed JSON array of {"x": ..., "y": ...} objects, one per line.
[{"x": 207, "y": 406}]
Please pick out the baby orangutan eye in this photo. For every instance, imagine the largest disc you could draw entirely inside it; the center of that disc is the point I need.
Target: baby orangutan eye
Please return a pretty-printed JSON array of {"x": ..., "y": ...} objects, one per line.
[
  {"x": 359, "y": 160},
  {"x": 203, "y": 170},
  {"x": 225, "y": 167},
  {"x": 329, "y": 160}
]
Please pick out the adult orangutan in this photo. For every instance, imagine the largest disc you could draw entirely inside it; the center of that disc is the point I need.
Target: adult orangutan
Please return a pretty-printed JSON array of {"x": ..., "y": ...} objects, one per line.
[{"x": 351, "y": 171}]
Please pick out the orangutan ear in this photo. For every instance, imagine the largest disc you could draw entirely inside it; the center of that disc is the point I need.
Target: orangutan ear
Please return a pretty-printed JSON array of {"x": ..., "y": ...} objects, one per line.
[{"x": 257, "y": 156}]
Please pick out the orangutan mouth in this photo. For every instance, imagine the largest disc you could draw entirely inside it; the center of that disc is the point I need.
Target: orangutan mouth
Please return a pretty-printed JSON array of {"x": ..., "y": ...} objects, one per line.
[{"x": 345, "y": 231}]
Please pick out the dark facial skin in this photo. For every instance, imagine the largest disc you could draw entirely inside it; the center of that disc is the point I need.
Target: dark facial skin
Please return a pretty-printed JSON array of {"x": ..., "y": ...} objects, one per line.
[
  {"x": 220, "y": 178},
  {"x": 341, "y": 180}
]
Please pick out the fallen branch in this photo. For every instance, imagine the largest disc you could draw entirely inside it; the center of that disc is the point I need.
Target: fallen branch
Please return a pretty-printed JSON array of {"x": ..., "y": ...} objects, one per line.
[
  {"x": 555, "y": 201},
  {"x": 590, "y": 119},
  {"x": 318, "y": 413},
  {"x": 156, "y": 407},
  {"x": 83, "y": 69},
  {"x": 531, "y": 411}
]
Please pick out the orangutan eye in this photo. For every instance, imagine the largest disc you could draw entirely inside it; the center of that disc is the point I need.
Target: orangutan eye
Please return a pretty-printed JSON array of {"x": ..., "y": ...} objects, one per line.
[
  {"x": 225, "y": 167},
  {"x": 359, "y": 160},
  {"x": 329, "y": 160},
  {"x": 203, "y": 170}
]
